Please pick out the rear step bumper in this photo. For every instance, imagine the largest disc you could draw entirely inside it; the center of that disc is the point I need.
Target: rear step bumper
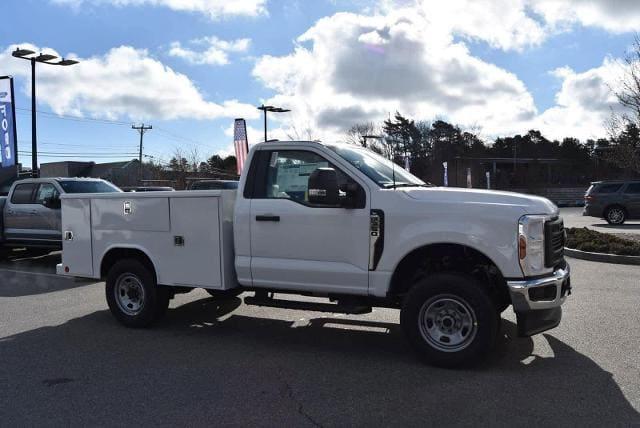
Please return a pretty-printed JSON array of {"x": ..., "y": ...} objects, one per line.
[{"x": 341, "y": 308}]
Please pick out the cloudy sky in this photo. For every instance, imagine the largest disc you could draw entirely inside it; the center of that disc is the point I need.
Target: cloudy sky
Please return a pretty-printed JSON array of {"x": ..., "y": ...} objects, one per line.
[{"x": 189, "y": 67}]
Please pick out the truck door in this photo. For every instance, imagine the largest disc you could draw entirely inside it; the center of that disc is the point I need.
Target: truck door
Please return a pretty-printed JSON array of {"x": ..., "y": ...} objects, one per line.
[
  {"x": 295, "y": 245},
  {"x": 19, "y": 211},
  {"x": 46, "y": 220}
]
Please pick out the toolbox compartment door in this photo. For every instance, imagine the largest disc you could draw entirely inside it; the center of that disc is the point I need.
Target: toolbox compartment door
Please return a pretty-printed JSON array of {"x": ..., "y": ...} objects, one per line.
[
  {"x": 194, "y": 256},
  {"x": 77, "y": 250}
]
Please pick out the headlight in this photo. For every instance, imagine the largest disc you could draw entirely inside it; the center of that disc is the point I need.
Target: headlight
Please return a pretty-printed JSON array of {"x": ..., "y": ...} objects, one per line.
[{"x": 531, "y": 244}]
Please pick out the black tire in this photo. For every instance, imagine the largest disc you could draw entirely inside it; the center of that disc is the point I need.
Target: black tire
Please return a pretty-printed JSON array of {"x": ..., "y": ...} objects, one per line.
[
  {"x": 615, "y": 215},
  {"x": 224, "y": 294},
  {"x": 153, "y": 301},
  {"x": 456, "y": 294}
]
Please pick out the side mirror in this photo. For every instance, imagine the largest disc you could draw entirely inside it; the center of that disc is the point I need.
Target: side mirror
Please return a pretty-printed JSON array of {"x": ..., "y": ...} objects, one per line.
[
  {"x": 323, "y": 187},
  {"x": 350, "y": 198}
]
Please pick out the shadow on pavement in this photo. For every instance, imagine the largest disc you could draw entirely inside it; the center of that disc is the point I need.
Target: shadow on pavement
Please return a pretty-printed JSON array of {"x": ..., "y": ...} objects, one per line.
[
  {"x": 206, "y": 365},
  {"x": 25, "y": 275}
]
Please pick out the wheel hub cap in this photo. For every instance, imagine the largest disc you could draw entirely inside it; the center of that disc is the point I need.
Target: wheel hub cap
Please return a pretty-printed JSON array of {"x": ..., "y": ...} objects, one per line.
[
  {"x": 129, "y": 294},
  {"x": 615, "y": 215},
  {"x": 447, "y": 323}
]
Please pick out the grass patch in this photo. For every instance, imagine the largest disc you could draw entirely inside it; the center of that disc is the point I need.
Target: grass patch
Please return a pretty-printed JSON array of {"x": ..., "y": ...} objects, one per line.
[{"x": 595, "y": 242}]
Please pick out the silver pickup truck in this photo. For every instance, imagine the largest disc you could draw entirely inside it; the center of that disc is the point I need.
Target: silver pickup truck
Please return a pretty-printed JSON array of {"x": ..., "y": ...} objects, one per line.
[{"x": 30, "y": 213}]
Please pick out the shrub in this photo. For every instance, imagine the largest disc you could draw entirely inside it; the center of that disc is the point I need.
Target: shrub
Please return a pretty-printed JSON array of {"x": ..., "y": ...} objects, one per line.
[{"x": 596, "y": 242}]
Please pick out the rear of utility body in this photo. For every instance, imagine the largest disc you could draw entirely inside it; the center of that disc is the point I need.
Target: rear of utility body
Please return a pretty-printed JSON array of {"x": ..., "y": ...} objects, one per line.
[{"x": 187, "y": 237}]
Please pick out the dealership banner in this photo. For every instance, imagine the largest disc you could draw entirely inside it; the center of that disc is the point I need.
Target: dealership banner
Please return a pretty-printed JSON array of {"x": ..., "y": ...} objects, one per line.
[{"x": 8, "y": 140}]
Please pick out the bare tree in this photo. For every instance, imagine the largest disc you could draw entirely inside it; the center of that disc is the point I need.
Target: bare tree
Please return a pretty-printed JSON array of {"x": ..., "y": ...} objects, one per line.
[
  {"x": 300, "y": 133},
  {"x": 623, "y": 127},
  {"x": 357, "y": 133},
  {"x": 194, "y": 159}
]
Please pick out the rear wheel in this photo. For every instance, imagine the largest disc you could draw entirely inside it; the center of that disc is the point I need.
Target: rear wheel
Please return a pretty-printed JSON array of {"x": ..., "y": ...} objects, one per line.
[
  {"x": 450, "y": 320},
  {"x": 133, "y": 296},
  {"x": 615, "y": 215}
]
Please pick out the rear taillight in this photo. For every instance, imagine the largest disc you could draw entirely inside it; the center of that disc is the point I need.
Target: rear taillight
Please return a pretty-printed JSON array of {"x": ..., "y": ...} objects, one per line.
[{"x": 589, "y": 198}]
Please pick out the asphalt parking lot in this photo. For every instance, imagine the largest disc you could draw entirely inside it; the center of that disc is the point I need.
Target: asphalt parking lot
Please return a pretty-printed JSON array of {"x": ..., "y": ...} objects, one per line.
[{"x": 65, "y": 361}]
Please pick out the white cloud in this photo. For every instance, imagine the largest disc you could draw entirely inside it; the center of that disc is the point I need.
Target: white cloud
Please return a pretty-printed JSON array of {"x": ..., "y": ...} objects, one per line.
[
  {"x": 351, "y": 68},
  {"x": 123, "y": 83},
  {"x": 216, "y": 51},
  {"x": 212, "y": 8},
  {"x": 616, "y": 16},
  {"x": 504, "y": 24},
  {"x": 584, "y": 102},
  {"x": 517, "y": 24}
]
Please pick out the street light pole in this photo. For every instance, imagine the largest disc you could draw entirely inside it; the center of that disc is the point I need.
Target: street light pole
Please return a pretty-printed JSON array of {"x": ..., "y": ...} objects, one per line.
[
  {"x": 44, "y": 59},
  {"x": 375, "y": 137},
  {"x": 34, "y": 141},
  {"x": 272, "y": 109}
]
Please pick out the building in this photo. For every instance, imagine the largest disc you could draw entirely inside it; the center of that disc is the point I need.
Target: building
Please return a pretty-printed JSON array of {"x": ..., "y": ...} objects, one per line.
[{"x": 123, "y": 173}]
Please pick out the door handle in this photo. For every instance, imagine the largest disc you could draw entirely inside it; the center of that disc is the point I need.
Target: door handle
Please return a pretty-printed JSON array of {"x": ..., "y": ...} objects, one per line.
[{"x": 267, "y": 218}]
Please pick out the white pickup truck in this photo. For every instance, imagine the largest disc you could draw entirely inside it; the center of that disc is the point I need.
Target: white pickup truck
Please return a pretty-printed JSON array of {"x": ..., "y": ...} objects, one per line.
[{"x": 333, "y": 221}]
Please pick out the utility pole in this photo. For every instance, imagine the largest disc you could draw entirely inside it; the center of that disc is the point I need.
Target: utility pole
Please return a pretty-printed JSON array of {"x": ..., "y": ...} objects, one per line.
[{"x": 141, "y": 129}]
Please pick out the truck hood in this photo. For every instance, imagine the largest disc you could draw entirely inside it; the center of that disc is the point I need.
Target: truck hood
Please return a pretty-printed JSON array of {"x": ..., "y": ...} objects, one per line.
[{"x": 529, "y": 204}]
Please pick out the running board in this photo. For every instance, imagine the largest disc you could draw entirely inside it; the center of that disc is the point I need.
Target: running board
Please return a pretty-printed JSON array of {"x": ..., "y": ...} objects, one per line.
[{"x": 307, "y": 306}]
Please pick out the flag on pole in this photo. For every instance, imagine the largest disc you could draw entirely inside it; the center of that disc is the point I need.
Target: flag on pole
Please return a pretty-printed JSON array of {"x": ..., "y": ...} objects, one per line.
[
  {"x": 407, "y": 163},
  {"x": 240, "y": 143},
  {"x": 446, "y": 174}
]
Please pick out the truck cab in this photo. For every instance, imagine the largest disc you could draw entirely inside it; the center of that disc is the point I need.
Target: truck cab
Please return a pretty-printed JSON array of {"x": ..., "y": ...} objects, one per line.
[{"x": 341, "y": 222}]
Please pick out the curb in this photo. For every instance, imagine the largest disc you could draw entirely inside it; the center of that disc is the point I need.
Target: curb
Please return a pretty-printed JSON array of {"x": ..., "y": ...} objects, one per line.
[{"x": 602, "y": 257}]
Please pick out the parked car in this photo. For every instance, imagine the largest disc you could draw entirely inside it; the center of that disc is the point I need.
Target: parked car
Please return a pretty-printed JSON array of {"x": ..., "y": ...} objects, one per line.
[
  {"x": 213, "y": 184},
  {"x": 148, "y": 189},
  {"x": 31, "y": 211},
  {"x": 333, "y": 221},
  {"x": 615, "y": 201}
]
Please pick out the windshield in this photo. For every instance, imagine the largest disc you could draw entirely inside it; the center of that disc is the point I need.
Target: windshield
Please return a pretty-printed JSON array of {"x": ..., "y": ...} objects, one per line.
[
  {"x": 75, "y": 186},
  {"x": 377, "y": 168}
]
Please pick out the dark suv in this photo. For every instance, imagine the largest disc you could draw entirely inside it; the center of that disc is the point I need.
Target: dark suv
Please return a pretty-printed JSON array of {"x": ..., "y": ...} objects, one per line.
[{"x": 615, "y": 201}]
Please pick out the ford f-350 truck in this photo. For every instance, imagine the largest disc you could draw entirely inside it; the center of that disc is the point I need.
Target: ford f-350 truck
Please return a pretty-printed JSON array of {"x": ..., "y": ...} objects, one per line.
[
  {"x": 334, "y": 221},
  {"x": 30, "y": 213}
]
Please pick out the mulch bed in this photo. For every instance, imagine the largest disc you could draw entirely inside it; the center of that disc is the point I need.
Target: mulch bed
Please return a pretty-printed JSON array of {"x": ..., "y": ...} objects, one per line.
[{"x": 584, "y": 239}]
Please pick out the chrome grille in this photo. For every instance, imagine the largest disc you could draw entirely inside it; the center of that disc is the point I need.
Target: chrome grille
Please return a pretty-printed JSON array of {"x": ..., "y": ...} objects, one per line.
[{"x": 554, "y": 242}]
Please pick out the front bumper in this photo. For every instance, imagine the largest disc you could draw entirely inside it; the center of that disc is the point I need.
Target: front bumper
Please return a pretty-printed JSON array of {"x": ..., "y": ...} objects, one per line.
[{"x": 537, "y": 302}]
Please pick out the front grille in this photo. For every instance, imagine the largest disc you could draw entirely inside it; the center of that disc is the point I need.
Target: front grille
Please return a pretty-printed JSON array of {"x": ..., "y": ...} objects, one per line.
[{"x": 553, "y": 242}]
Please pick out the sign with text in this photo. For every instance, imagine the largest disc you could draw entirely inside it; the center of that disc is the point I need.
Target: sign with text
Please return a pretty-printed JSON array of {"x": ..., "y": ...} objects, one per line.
[{"x": 8, "y": 140}]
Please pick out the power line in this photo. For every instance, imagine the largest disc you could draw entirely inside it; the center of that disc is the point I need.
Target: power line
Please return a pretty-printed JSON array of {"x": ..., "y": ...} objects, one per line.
[
  {"x": 74, "y": 118},
  {"x": 48, "y": 143}
]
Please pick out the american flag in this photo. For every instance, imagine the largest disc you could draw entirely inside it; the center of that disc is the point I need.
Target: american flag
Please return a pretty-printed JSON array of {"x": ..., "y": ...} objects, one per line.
[{"x": 240, "y": 143}]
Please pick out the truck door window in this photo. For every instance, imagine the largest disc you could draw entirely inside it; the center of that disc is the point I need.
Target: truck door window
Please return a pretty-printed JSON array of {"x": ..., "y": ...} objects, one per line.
[
  {"x": 46, "y": 191},
  {"x": 288, "y": 174},
  {"x": 23, "y": 194}
]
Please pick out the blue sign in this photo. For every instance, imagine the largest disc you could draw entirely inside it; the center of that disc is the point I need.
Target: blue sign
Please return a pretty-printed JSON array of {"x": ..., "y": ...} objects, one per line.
[{"x": 8, "y": 141}]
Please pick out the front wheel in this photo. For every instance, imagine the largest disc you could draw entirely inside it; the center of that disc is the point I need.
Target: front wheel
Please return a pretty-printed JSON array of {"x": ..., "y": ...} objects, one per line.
[
  {"x": 450, "y": 320},
  {"x": 615, "y": 215},
  {"x": 133, "y": 295}
]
